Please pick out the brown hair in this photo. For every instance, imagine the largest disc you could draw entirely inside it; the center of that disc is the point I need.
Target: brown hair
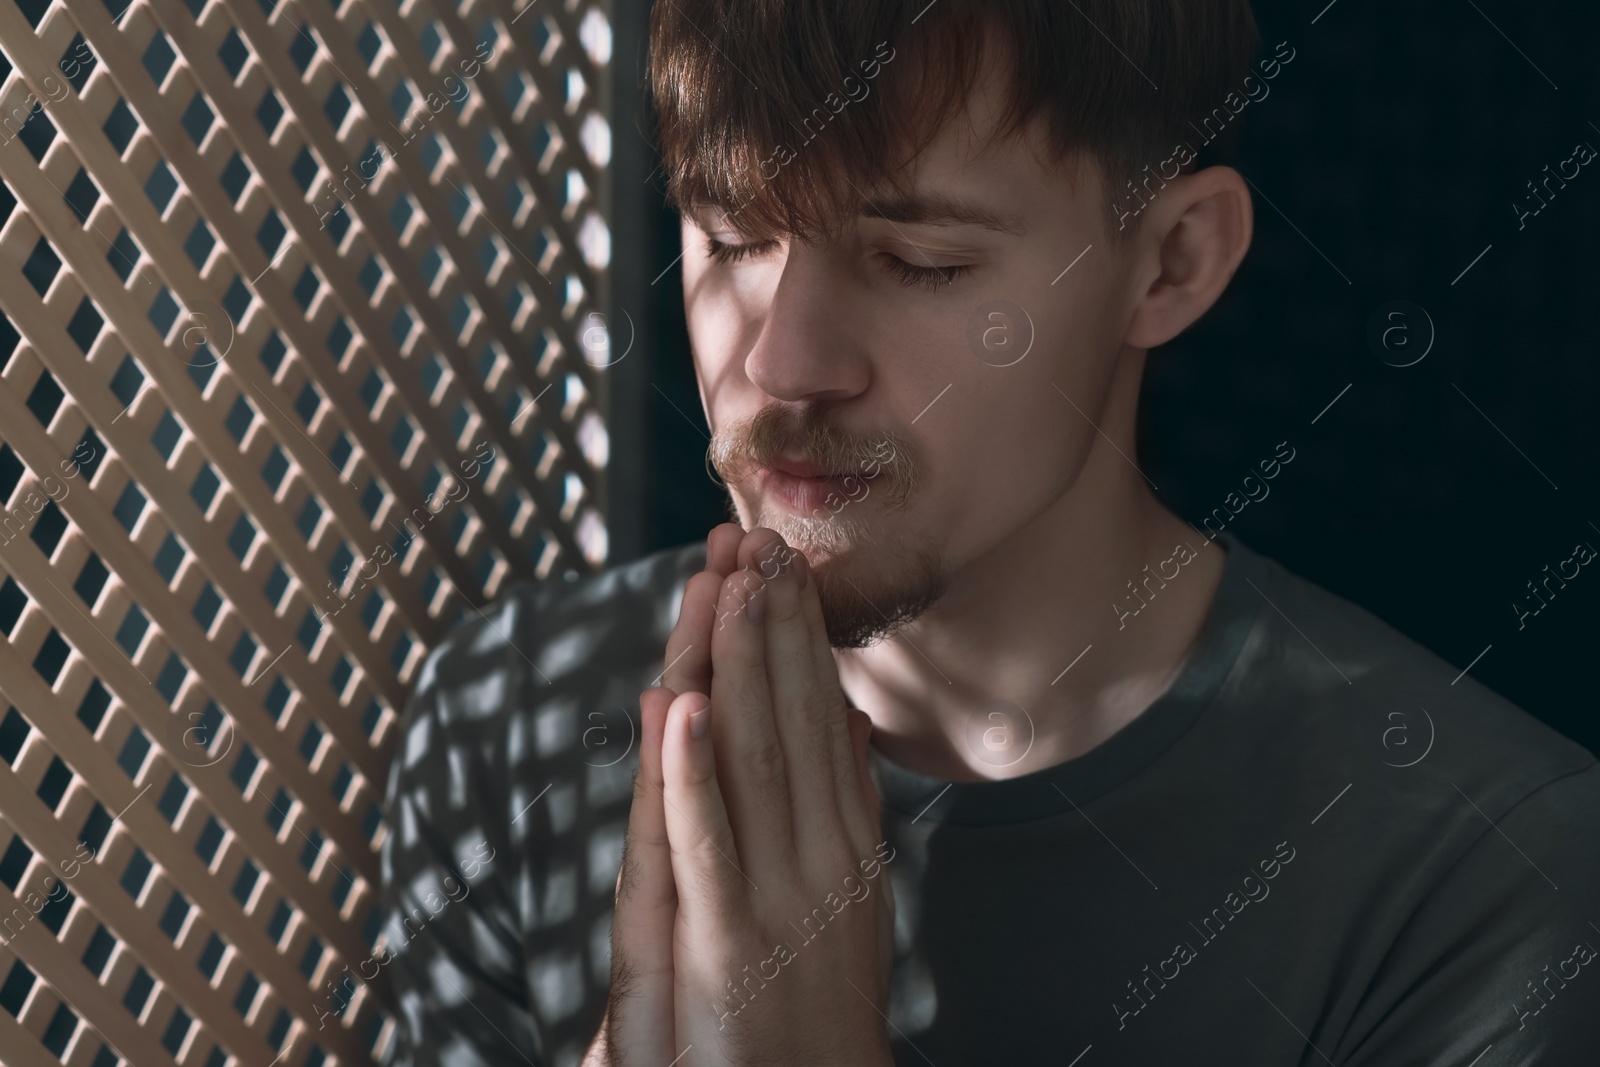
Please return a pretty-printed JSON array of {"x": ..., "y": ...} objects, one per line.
[{"x": 787, "y": 113}]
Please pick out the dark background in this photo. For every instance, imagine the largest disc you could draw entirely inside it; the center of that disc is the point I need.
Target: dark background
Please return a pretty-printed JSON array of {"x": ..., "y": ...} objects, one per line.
[{"x": 1396, "y": 142}]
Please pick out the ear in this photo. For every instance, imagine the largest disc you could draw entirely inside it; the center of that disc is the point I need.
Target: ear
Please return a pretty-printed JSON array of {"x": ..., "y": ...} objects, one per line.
[{"x": 1190, "y": 245}]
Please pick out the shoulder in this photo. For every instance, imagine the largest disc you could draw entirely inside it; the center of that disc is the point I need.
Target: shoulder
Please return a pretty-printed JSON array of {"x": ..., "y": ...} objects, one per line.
[
  {"x": 1446, "y": 827},
  {"x": 1363, "y": 688},
  {"x": 1403, "y": 759},
  {"x": 532, "y": 662},
  {"x": 551, "y": 628},
  {"x": 500, "y": 780}
]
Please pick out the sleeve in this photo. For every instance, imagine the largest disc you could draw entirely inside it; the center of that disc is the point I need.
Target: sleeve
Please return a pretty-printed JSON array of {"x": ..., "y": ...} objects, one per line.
[
  {"x": 1498, "y": 966},
  {"x": 457, "y": 967}
]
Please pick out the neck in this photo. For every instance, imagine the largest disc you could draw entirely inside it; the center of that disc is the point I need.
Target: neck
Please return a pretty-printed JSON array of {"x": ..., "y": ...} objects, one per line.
[{"x": 1024, "y": 663}]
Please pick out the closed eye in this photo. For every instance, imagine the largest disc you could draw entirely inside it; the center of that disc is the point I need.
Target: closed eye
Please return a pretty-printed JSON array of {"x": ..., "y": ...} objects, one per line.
[
  {"x": 912, "y": 275},
  {"x": 722, "y": 252},
  {"x": 928, "y": 277}
]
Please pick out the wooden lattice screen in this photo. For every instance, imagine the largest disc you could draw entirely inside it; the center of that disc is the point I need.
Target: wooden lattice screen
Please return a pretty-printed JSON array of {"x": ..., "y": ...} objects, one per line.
[{"x": 300, "y": 362}]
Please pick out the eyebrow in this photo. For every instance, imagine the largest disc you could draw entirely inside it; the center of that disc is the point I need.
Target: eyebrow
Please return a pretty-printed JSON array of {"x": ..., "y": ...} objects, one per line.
[{"x": 937, "y": 210}]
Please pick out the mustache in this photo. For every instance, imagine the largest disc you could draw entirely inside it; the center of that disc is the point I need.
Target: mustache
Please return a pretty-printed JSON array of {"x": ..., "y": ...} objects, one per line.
[{"x": 885, "y": 459}]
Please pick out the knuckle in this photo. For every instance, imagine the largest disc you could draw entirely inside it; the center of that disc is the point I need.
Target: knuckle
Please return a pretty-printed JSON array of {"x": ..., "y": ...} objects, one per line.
[
  {"x": 835, "y": 863},
  {"x": 737, "y": 586},
  {"x": 822, "y": 722},
  {"x": 707, "y": 884},
  {"x": 836, "y": 727},
  {"x": 699, "y": 777},
  {"x": 741, "y": 645},
  {"x": 785, "y": 604},
  {"x": 710, "y": 855},
  {"x": 766, "y": 762}
]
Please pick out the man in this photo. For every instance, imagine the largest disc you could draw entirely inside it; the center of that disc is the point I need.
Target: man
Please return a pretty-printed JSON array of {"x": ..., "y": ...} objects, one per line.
[{"x": 959, "y": 747}]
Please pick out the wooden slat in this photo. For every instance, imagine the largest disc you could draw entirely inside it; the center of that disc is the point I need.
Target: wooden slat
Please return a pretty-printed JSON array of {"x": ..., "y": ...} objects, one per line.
[
  {"x": 105, "y": 733},
  {"x": 109, "y": 42},
  {"x": 415, "y": 181},
  {"x": 171, "y": 848}
]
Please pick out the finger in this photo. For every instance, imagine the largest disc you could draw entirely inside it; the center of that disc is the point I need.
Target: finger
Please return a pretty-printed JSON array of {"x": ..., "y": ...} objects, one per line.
[
  {"x": 862, "y": 809},
  {"x": 688, "y": 654},
  {"x": 811, "y": 603},
  {"x": 807, "y": 704},
  {"x": 722, "y": 548},
  {"x": 710, "y": 883},
  {"x": 750, "y": 757},
  {"x": 640, "y": 1016},
  {"x": 645, "y": 879}
]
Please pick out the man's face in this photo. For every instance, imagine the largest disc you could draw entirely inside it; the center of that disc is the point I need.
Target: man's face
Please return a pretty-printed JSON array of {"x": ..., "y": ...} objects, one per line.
[{"x": 927, "y": 354}]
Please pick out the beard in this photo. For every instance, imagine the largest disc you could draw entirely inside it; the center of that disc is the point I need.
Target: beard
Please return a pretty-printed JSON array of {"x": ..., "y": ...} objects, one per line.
[{"x": 872, "y": 578}]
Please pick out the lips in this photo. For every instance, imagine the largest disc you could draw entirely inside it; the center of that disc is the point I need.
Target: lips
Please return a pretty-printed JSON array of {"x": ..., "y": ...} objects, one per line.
[
  {"x": 799, "y": 468},
  {"x": 805, "y": 488}
]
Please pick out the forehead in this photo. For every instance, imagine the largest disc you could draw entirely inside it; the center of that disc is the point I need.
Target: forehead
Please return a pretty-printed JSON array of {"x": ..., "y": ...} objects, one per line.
[
  {"x": 940, "y": 115},
  {"x": 977, "y": 154},
  {"x": 976, "y": 168}
]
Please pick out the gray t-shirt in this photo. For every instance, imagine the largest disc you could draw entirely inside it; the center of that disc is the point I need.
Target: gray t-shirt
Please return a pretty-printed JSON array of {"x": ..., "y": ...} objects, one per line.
[{"x": 1322, "y": 844}]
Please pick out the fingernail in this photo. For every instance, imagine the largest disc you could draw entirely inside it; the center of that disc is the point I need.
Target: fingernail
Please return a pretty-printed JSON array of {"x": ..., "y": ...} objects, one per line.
[{"x": 700, "y": 722}]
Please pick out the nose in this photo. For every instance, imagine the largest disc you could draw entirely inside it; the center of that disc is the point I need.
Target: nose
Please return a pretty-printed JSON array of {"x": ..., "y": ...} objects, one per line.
[{"x": 812, "y": 345}]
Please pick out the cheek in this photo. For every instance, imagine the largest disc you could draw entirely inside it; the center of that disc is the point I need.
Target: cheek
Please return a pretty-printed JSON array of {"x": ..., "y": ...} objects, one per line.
[
  {"x": 720, "y": 334},
  {"x": 1018, "y": 450},
  {"x": 707, "y": 310},
  {"x": 724, "y": 314},
  {"x": 1014, "y": 439}
]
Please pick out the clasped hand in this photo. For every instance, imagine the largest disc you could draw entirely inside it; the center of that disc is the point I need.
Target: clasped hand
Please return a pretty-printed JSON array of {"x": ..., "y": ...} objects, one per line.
[{"x": 754, "y": 915}]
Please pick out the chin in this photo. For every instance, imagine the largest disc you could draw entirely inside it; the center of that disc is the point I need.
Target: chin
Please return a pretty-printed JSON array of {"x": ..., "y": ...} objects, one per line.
[
  {"x": 871, "y": 583},
  {"x": 869, "y": 596}
]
